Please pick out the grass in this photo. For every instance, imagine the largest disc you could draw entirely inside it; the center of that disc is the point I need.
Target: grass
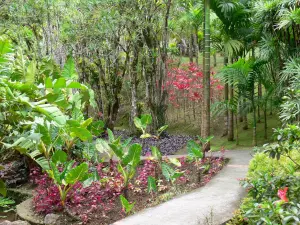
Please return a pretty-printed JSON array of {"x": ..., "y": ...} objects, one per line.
[{"x": 245, "y": 136}]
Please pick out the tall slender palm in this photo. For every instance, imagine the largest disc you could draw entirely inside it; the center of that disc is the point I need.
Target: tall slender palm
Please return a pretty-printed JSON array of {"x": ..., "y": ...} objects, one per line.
[{"x": 205, "y": 130}]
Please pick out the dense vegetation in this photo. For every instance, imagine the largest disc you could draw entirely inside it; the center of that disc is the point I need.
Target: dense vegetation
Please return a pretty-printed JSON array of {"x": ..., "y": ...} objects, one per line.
[{"x": 73, "y": 72}]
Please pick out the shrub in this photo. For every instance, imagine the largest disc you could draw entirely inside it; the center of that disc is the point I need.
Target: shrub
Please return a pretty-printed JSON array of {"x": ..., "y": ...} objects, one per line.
[{"x": 261, "y": 163}]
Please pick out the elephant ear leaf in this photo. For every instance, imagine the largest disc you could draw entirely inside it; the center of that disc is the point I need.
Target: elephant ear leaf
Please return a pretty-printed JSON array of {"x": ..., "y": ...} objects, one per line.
[
  {"x": 77, "y": 174},
  {"x": 138, "y": 123},
  {"x": 156, "y": 154},
  {"x": 59, "y": 156},
  {"x": 126, "y": 205},
  {"x": 175, "y": 161},
  {"x": 133, "y": 156},
  {"x": 151, "y": 184},
  {"x": 167, "y": 171},
  {"x": 146, "y": 119},
  {"x": 69, "y": 70}
]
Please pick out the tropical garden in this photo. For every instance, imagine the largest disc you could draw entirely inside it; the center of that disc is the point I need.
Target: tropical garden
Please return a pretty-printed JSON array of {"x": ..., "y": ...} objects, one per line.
[{"x": 109, "y": 107}]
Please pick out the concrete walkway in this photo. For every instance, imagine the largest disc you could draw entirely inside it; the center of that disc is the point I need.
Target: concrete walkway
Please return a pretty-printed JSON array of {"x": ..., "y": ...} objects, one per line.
[{"x": 212, "y": 204}]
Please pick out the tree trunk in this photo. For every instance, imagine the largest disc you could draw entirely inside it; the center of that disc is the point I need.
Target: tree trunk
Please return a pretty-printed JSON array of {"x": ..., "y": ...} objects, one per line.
[
  {"x": 191, "y": 47},
  {"x": 225, "y": 130},
  {"x": 196, "y": 47},
  {"x": 133, "y": 81},
  {"x": 266, "y": 122},
  {"x": 254, "y": 121},
  {"x": 259, "y": 91},
  {"x": 205, "y": 131},
  {"x": 230, "y": 136},
  {"x": 215, "y": 59},
  {"x": 237, "y": 130},
  {"x": 245, "y": 120}
]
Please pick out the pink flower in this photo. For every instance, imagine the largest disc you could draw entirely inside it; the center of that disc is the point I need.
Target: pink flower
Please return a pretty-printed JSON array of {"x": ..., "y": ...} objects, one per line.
[{"x": 282, "y": 194}]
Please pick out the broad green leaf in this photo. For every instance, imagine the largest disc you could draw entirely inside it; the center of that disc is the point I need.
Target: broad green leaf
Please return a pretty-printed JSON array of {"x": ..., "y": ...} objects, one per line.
[
  {"x": 152, "y": 184},
  {"x": 102, "y": 146},
  {"x": 43, "y": 130},
  {"x": 69, "y": 70},
  {"x": 67, "y": 167},
  {"x": 146, "y": 119},
  {"x": 117, "y": 150},
  {"x": 60, "y": 83},
  {"x": 167, "y": 171},
  {"x": 43, "y": 162},
  {"x": 73, "y": 123},
  {"x": 3, "y": 190},
  {"x": 59, "y": 156},
  {"x": 123, "y": 172},
  {"x": 97, "y": 127},
  {"x": 126, "y": 142},
  {"x": 175, "y": 161},
  {"x": 74, "y": 84},
  {"x": 176, "y": 175},
  {"x": 156, "y": 153},
  {"x": 81, "y": 133},
  {"x": 126, "y": 205},
  {"x": 163, "y": 128},
  {"x": 86, "y": 123},
  {"x": 55, "y": 173},
  {"x": 5, "y": 47},
  {"x": 93, "y": 177},
  {"x": 138, "y": 123},
  {"x": 194, "y": 150},
  {"x": 31, "y": 72},
  {"x": 133, "y": 155},
  {"x": 77, "y": 173},
  {"x": 111, "y": 136},
  {"x": 48, "y": 82},
  {"x": 52, "y": 113}
]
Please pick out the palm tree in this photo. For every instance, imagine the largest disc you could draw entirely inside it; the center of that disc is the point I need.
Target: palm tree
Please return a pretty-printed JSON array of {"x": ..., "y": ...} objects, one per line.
[
  {"x": 242, "y": 76},
  {"x": 205, "y": 129}
]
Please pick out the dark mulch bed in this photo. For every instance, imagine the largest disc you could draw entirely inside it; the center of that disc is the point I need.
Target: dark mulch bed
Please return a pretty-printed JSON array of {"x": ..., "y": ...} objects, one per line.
[{"x": 168, "y": 144}]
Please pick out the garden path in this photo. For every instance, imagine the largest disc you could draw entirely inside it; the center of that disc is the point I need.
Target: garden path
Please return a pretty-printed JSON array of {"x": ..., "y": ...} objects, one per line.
[{"x": 212, "y": 204}]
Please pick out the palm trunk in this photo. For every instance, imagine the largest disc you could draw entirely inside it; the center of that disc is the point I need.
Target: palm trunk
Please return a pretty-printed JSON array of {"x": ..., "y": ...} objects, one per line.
[
  {"x": 237, "y": 130},
  {"x": 266, "y": 124},
  {"x": 191, "y": 47},
  {"x": 196, "y": 47},
  {"x": 205, "y": 131},
  {"x": 225, "y": 130},
  {"x": 230, "y": 136},
  {"x": 259, "y": 91},
  {"x": 215, "y": 59}
]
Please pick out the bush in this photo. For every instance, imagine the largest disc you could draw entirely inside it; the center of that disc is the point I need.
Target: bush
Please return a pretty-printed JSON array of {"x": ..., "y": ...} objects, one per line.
[
  {"x": 272, "y": 200},
  {"x": 262, "y": 164}
]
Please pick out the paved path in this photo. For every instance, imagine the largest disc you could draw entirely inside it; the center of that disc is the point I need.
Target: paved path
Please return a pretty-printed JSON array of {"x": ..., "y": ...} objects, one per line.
[{"x": 212, "y": 204}]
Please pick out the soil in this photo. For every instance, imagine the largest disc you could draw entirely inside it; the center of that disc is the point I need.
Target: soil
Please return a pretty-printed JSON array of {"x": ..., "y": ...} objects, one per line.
[{"x": 145, "y": 200}]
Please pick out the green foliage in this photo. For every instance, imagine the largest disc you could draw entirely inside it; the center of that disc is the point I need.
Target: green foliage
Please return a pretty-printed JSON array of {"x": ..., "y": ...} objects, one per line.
[
  {"x": 6, "y": 203},
  {"x": 128, "y": 207},
  {"x": 152, "y": 187},
  {"x": 69, "y": 176},
  {"x": 143, "y": 122},
  {"x": 263, "y": 204},
  {"x": 128, "y": 162},
  {"x": 169, "y": 173},
  {"x": 195, "y": 150}
]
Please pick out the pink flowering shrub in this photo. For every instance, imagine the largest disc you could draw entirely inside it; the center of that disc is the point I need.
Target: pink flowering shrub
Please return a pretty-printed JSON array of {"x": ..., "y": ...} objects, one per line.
[{"x": 187, "y": 82}]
